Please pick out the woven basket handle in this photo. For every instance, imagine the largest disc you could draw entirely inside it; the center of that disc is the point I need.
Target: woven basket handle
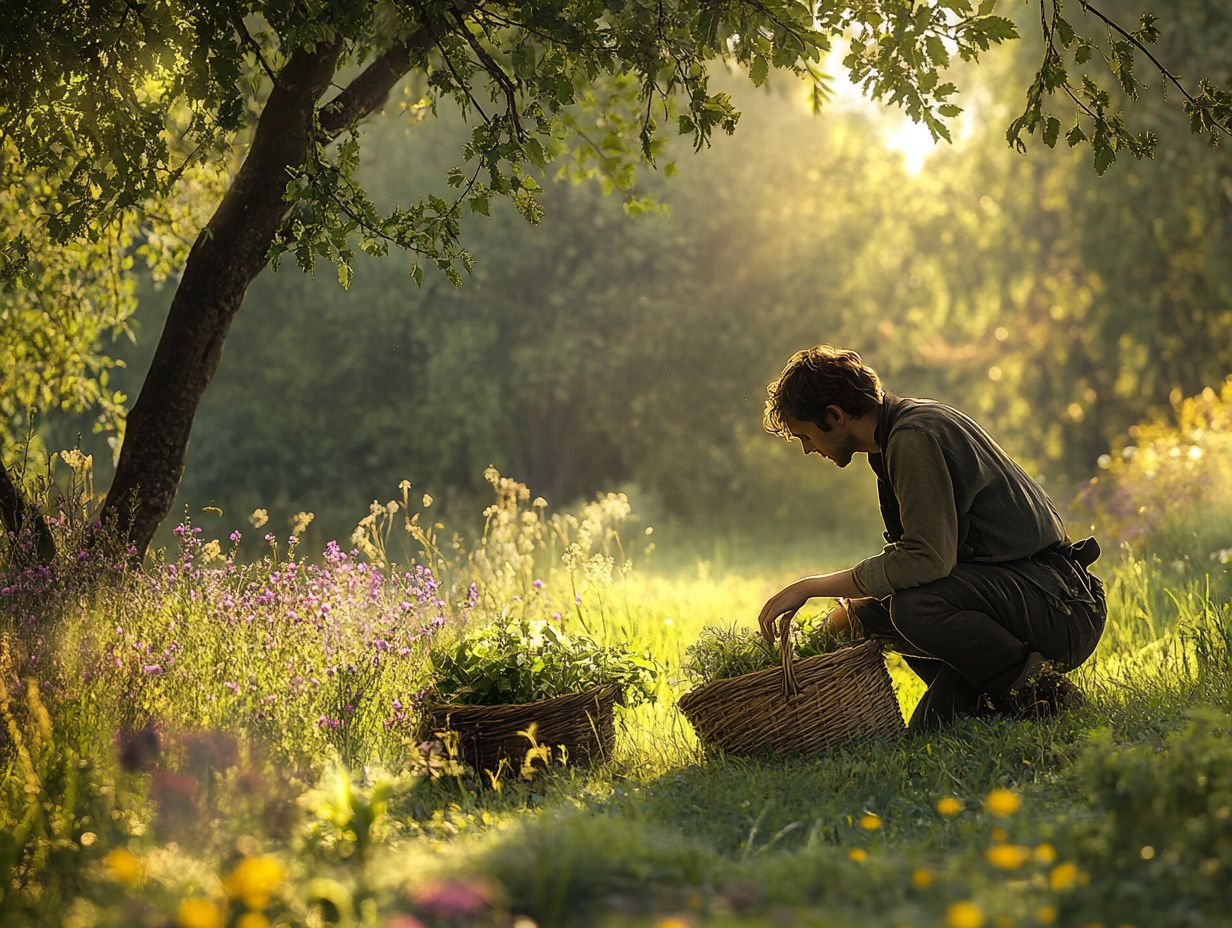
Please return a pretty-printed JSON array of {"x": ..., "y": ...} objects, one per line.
[{"x": 790, "y": 687}]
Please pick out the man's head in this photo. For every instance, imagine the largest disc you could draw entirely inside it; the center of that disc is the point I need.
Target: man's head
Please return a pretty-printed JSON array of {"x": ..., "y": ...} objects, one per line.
[{"x": 818, "y": 396}]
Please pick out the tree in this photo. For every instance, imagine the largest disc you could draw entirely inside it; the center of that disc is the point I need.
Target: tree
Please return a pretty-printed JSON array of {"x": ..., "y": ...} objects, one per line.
[{"x": 111, "y": 105}]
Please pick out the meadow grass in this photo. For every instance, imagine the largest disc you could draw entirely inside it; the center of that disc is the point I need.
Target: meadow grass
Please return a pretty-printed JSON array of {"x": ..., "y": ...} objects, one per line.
[{"x": 221, "y": 743}]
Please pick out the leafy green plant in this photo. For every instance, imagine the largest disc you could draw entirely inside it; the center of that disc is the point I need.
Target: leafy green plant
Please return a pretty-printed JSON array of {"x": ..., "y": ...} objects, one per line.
[
  {"x": 720, "y": 653},
  {"x": 524, "y": 661}
]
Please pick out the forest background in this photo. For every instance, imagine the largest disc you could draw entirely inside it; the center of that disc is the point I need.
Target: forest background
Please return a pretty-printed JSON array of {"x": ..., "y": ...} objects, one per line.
[{"x": 602, "y": 351}]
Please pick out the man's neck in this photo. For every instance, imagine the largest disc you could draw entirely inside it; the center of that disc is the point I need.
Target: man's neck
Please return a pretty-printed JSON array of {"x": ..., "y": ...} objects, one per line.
[{"x": 864, "y": 430}]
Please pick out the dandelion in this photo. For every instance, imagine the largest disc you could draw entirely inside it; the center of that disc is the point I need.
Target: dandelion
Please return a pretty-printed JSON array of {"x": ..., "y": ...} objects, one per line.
[
  {"x": 1063, "y": 877},
  {"x": 252, "y": 920},
  {"x": 964, "y": 914},
  {"x": 199, "y": 913},
  {"x": 253, "y": 880},
  {"x": 1045, "y": 854},
  {"x": 258, "y": 518},
  {"x": 672, "y": 921},
  {"x": 1008, "y": 856},
  {"x": 921, "y": 878},
  {"x": 858, "y": 854},
  {"x": 870, "y": 821},
  {"x": 1003, "y": 802},
  {"x": 124, "y": 866},
  {"x": 1046, "y": 914},
  {"x": 949, "y": 806}
]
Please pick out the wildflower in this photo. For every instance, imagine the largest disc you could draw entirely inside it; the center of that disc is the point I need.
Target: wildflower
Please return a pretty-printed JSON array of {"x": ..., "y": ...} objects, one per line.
[
  {"x": 1046, "y": 914},
  {"x": 921, "y": 878},
  {"x": 870, "y": 822},
  {"x": 151, "y": 670},
  {"x": 211, "y": 551},
  {"x": 948, "y": 806},
  {"x": 253, "y": 881},
  {"x": 1063, "y": 877},
  {"x": 258, "y": 518},
  {"x": 454, "y": 899},
  {"x": 999, "y": 835},
  {"x": 538, "y": 584},
  {"x": 235, "y": 536},
  {"x": 252, "y": 920},
  {"x": 964, "y": 915},
  {"x": 1008, "y": 856},
  {"x": 1003, "y": 802},
  {"x": 269, "y": 536},
  {"x": 125, "y": 867},
  {"x": 427, "y": 500},
  {"x": 88, "y": 838},
  {"x": 1045, "y": 854},
  {"x": 858, "y": 854},
  {"x": 198, "y": 912},
  {"x": 672, "y": 921}
]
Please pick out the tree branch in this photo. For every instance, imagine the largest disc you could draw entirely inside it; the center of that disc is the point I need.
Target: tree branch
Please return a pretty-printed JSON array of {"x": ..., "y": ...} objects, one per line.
[{"x": 371, "y": 88}]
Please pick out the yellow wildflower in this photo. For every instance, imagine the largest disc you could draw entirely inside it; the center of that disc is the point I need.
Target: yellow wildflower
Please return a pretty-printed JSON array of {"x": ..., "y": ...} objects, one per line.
[
  {"x": 258, "y": 518},
  {"x": 1008, "y": 856},
  {"x": 1003, "y": 802},
  {"x": 252, "y": 920},
  {"x": 427, "y": 500},
  {"x": 253, "y": 881},
  {"x": 870, "y": 822},
  {"x": 964, "y": 915},
  {"x": 948, "y": 806},
  {"x": 198, "y": 912},
  {"x": 921, "y": 878},
  {"x": 1063, "y": 877},
  {"x": 1046, "y": 914},
  {"x": 87, "y": 838},
  {"x": 125, "y": 867},
  {"x": 672, "y": 921},
  {"x": 858, "y": 854},
  {"x": 1045, "y": 854}
]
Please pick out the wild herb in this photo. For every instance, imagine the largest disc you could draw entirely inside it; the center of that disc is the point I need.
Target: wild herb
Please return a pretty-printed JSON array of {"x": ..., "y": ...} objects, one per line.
[
  {"x": 527, "y": 660},
  {"x": 720, "y": 653}
]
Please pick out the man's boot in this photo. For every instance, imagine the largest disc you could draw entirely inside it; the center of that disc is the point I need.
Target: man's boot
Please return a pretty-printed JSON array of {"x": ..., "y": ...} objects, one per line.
[{"x": 1038, "y": 691}]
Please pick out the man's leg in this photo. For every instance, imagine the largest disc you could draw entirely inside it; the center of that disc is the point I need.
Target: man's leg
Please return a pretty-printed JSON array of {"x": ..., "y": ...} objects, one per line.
[
  {"x": 948, "y": 694},
  {"x": 985, "y": 621}
]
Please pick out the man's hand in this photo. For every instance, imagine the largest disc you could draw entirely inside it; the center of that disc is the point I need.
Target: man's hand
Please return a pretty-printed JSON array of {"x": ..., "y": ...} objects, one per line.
[{"x": 786, "y": 603}]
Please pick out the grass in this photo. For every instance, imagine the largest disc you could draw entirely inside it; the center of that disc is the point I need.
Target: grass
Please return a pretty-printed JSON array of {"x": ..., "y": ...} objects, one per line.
[{"x": 1125, "y": 804}]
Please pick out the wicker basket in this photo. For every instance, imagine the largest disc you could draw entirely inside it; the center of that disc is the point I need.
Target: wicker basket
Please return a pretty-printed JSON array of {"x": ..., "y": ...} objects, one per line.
[
  {"x": 583, "y": 723},
  {"x": 802, "y": 708}
]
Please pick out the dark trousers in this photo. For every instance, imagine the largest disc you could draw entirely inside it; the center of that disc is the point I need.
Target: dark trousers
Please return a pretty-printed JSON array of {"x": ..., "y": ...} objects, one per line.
[{"x": 969, "y": 634}]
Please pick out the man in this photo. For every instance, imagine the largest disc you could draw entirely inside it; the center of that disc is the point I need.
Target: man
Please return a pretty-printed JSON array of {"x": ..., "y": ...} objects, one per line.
[{"x": 979, "y": 587}]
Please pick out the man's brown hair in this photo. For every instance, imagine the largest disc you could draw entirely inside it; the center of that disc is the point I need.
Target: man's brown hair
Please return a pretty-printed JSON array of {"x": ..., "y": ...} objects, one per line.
[{"x": 816, "y": 378}]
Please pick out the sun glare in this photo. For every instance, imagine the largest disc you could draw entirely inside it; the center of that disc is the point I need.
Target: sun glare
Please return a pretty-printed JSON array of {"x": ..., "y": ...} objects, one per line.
[{"x": 913, "y": 140}]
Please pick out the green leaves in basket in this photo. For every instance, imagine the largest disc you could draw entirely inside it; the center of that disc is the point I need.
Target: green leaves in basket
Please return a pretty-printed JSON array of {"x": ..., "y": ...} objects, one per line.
[
  {"x": 528, "y": 660},
  {"x": 720, "y": 653}
]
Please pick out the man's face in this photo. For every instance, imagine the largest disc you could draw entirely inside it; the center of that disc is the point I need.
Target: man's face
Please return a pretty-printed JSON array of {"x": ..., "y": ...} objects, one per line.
[{"x": 838, "y": 444}]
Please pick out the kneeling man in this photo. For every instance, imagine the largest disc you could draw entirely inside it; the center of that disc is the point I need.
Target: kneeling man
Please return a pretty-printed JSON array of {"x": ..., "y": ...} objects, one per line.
[{"x": 979, "y": 587}]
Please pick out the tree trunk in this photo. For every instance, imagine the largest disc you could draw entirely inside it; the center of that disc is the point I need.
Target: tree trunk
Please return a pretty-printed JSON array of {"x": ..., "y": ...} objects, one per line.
[
  {"x": 227, "y": 255},
  {"x": 21, "y": 519}
]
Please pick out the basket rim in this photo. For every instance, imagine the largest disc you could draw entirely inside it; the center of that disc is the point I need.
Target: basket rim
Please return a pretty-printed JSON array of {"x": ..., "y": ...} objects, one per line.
[
  {"x": 597, "y": 691},
  {"x": 846, "y": 652}
]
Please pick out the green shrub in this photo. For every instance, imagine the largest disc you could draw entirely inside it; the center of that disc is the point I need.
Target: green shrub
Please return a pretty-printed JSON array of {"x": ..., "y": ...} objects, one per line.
[
  {"x": 1158, "y": 846},
  {"x": 524, "y": 661}
]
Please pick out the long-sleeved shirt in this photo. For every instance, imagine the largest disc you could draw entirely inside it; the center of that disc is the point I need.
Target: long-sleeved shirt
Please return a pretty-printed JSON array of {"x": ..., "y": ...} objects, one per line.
[{"x": 948, "y": 493}]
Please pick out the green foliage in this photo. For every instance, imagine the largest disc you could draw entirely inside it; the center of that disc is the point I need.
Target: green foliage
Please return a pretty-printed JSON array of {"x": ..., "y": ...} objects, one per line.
[
  {"x": 528, "y": 660},
  {"x": 1159, "y": 829},
  {"x": 719, "y": 653}
]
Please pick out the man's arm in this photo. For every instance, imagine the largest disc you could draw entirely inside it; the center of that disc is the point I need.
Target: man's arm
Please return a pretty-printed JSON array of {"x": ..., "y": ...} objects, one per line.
[{"x": 787, "y": 601}]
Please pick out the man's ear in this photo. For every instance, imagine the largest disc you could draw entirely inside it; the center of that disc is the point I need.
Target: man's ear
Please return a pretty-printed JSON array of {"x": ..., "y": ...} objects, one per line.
[{"x": 835, "y": 415}]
